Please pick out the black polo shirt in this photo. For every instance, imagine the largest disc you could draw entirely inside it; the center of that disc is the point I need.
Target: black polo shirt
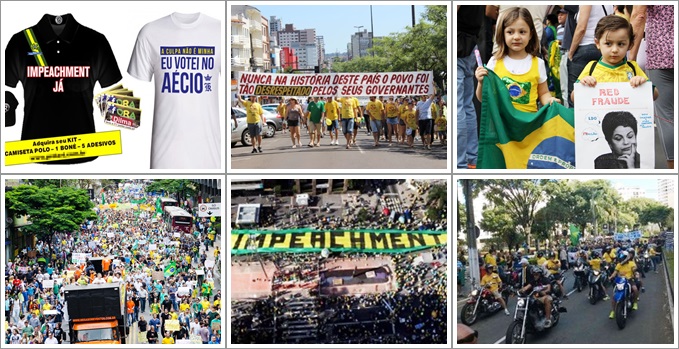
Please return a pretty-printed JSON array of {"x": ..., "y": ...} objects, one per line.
[{"x": 67, "y": 55}]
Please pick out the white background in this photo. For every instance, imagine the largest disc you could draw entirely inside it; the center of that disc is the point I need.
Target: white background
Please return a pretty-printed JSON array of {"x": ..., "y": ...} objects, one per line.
[
  {"x": 640, "y": 97},
  {"x": 120, "y": 22}
]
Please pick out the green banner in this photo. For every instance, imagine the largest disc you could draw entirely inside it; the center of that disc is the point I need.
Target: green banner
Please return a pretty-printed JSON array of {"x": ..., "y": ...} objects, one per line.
[{"x": 310, "y": 240}]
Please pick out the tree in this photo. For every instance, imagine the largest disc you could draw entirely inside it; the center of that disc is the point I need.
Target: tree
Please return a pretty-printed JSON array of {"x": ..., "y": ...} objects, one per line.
[
  {"x": 437, "y": 200},
  {"x": 181, "y": 188},
  {"x": 518, "y": 197},
  {"x": 649, "y": 210},
  {"x": 496, "y": 219},
  {"x": 50, "y": 209}
]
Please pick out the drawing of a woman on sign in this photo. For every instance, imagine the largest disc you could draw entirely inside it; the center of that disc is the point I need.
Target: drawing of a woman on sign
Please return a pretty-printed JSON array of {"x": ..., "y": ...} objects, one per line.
[{"x": 620, "y": 131}]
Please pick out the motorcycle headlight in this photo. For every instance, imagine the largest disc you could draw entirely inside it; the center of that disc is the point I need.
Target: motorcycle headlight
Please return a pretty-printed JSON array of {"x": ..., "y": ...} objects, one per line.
[
  {"x": 596, "y": 272},
  {"x": 646, "y": 255},
  {"x": 521, "y": 303},
  {"x": 475, "y": 292}
]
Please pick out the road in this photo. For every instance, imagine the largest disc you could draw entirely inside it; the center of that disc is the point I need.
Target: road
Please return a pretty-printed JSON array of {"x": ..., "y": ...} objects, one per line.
[
  {"x": 589, "y": 324},
  {"x": 133, "y": 336},
  {"x": 278, "y": 154}
]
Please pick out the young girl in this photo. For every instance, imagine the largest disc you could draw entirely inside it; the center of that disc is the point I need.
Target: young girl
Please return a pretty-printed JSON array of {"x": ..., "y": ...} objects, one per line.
[
  {"x": 517, "y": 62},
  {"x": 411, "y": 122},
  {"x": 613, "y": 36}
]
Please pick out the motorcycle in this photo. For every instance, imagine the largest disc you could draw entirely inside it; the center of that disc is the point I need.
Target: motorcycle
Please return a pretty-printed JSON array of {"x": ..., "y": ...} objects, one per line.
[
  {"x": 646, "y": 262},
  {"x": 482, "y": 301},
  {"x": 623, "y": 301},
  {"x": 529, "y": 317},
  {"x": 608, "y": 269},
  {"x": 595, "y": 289},
  {"x": 554, "y": 282},
  {"x": 580, "y": 272}
]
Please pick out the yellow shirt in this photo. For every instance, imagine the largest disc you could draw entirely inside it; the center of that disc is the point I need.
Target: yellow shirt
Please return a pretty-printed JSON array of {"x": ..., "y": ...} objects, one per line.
[
  {"x": 625, "y": 270},
  {"x": 402, "y": 111},
  {"x": 168, "y": 340},
  {"x": 392, "y": 110},
  {"x": 410, "y": 119},
  {"x": 375, "y": 109},
  {"x": 205, "y": 304},
  {"x": 541, "y": 261},
  {"x": 489, "y": 259},
  {"x": 281, "y": 109},
  {"x": 553, "y": 266},
  {"x": 523, "y": 88},
  {"x": 608, "y": 258},
  {"x": 441, "y": 123},
  {"x": 612, "y": 73},
  {"x": 357, "y": 105},
  {"x": 254, "y": 110},
  {"x": 184, "y": 306},
  {"x": 651, "y": 252},
  {"x": 595, "y": 263},
  {"x": 332, "y": 110},
  {"x": 493, "y": 280},
  {"x": 347, "y": 107}
]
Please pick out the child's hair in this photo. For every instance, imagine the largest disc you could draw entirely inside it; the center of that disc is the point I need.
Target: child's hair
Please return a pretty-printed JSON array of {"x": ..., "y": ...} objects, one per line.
[
  {"x": 509, "y": 17},
  {"x": 613, "y": 23}
]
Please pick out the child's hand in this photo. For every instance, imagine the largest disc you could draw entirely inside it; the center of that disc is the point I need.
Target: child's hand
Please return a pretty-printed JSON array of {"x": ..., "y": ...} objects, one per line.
[
  {"x": 637, "y": 81},
  {"x": 480, "y": 73},
  {"x": 554, "y": 99},
  {"x": 588, "y": 81}
]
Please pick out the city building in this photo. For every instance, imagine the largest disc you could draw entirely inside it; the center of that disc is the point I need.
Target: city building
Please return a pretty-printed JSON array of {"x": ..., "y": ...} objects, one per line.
[
  {"x": 360, "y": 43},
  {"x": 666, "y": 190},
  {"x": 320, "y": 44},
  {"x": 288, "y": 58},
  {"x": 248, "y": 215},
  {"x": 274, "y": 25},
  {"x": 266, "y": 46},
  {"x": 630, "y": 192},
  {"x": 307, "y": 54},
  {"x": 248, "y": 37}
]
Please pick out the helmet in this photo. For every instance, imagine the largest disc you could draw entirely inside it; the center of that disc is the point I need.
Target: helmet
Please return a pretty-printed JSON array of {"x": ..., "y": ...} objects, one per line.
[
  {"x": 536, "y": 270},
  {"x": 595, "y": 254},
  {"x": 540, "y": 254},
  {"x": 551, "y": 254},
  {"x": 622, "y": 256},
  {"x": 489, "y": 267},
  {"x": 524, "y": 261}
]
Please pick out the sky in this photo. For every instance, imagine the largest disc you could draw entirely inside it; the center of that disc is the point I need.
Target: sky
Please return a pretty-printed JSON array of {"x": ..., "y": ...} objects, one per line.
[{"x": 336, "y": 22}]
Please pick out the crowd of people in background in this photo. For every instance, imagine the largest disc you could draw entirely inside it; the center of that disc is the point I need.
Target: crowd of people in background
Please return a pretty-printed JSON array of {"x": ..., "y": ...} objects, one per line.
[{"x": 124, "y": 238}]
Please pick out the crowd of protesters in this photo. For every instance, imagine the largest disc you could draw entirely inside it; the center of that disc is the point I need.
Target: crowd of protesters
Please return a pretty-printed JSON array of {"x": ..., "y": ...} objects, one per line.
[{"x": 137, "y": 248}]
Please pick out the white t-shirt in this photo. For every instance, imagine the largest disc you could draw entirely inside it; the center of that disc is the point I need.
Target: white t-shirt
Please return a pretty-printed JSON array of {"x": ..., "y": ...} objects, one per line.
[
  {"x": 595, "y": 15},
  {"x": 183, "y": 52},
  {"x": 520, "y": 66}
]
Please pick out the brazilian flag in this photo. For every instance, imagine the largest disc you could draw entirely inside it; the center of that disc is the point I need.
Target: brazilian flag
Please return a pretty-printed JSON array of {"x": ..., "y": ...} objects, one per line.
[
  {"x": 170, "y": 269},
  {"x": 158, "y": 205},
  {"x": 510, "y": 138},
  {"x": 575, "y": 235}
]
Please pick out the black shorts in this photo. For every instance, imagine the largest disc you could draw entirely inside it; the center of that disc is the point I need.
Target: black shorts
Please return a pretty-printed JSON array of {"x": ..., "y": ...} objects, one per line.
[
  {"x": 293, "y": 123},
  {"x": 426, "y": 126}
]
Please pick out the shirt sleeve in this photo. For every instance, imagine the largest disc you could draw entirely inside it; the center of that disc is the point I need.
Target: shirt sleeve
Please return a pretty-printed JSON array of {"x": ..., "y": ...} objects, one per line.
[
  {"x": 13, "y": 62},
  {"x": 107, "y": 71},
  {"x": 542, "y": 71},
  {"x": 491, "y": 63},
  {"x": 141, "y": 63}
]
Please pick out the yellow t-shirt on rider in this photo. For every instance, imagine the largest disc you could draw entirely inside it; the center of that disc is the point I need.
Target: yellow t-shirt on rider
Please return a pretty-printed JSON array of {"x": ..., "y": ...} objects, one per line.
[
  {"x": 493, "y": 280},
  {"x": 553, "y": 266},
  {"x": 595, "y": 263},
  {"x": 625, "y": 270}
]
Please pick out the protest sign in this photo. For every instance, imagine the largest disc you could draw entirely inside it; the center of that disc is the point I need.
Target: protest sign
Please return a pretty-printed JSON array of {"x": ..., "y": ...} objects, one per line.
[
  {"x": 152, "y": 247},
  {"x": 209, "y": 263},
  {"x": 614, "y": 126},
  {"x": 48, "y": 283},
  {"x": 80, "y": 257},
  {"x": 157, "y": 275},
  {"x": 337, "y": 84},
  {"x": 177, "y": 235},
  {"x": 172, "y": 325},
  {"x": 111, "y": 235},
  {"x": 183, "y": 291}
]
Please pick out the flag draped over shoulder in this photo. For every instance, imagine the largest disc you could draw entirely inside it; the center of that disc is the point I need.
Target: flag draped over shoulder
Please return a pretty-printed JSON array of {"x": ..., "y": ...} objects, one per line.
[{"x": 514, "y": 139}]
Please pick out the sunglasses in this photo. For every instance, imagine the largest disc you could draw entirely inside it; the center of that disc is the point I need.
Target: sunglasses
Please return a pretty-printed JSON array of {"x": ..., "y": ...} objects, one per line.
[{"x": 469, "y": 339}]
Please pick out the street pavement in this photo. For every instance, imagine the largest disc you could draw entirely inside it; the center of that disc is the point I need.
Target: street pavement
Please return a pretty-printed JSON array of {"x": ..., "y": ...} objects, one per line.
[
  {"x": 589, "y": 324},
  {"x": 133, "y": 337},
  {"x": 279, "y": 154}
]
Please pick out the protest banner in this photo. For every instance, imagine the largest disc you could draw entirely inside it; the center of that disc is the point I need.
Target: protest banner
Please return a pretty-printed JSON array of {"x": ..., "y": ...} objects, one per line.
[
  {"x": 614, "y": 126},
  {"x": 513, "y": 139},
  {"x": 172, "y": 325},
  {"x": 183, "y": 291},
  {"x": 209, "y": 263},
  {"x": 177, "y": 235},
  {"x": 48, "y": 283},
  {"x": 336, "y": 84},
  {"x": 309, "y": 240},
  {"x": 22, "y": 270},
  {"x": 80, "y": 257}
]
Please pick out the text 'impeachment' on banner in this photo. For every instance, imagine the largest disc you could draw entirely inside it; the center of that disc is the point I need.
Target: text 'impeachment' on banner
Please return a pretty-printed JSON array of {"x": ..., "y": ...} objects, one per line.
[
  {"x": 334, "y": 84},
  {"x": 306, "y": 240}
]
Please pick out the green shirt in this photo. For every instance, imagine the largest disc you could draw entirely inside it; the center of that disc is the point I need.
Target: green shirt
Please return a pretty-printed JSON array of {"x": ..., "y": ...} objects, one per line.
[{"x": 316, "y": 110}]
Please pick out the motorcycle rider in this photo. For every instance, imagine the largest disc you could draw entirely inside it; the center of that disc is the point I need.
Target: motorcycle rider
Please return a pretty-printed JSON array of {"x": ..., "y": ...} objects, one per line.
[
  {"x": 553, "y": 265},
  {"x": 595, "y": 264},
  {"x": 652, "y": 254},
  {"x": 492, "y": 281},
  {"x": 541, "y": 260},
  {"x": 538, "y": 279},
  {"x": 638, "y": 270},
  {"x": 624, "y": 269}
]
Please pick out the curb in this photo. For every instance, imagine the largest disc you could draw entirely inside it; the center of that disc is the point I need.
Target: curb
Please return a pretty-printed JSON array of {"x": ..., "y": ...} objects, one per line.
[{"x": 670, "y": 293}]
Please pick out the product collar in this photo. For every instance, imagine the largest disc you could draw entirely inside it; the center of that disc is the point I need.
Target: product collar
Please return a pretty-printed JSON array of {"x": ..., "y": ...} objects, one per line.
[{"x": 47, "y": 33}]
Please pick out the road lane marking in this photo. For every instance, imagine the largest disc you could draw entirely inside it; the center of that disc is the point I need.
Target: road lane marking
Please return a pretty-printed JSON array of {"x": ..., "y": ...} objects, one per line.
[{"x": 500, "y": 340}]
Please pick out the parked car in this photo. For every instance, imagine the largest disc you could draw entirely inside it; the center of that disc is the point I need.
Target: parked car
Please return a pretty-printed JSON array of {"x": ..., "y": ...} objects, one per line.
[
  {"x": 240, "y": 133},
  {"x": 269, "y": 118},
  {"x": 273, "y": 109}
]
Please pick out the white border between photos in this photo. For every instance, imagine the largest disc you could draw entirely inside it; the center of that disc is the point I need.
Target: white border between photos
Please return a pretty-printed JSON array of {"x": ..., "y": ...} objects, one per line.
[
  {"x": 449, "y": 181},
  {"x": 449, "y": 81},
  {"x": 147, "y": 176},
  {"x": 575, "y": 171},
  {"x": 459, "y": 196}
]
